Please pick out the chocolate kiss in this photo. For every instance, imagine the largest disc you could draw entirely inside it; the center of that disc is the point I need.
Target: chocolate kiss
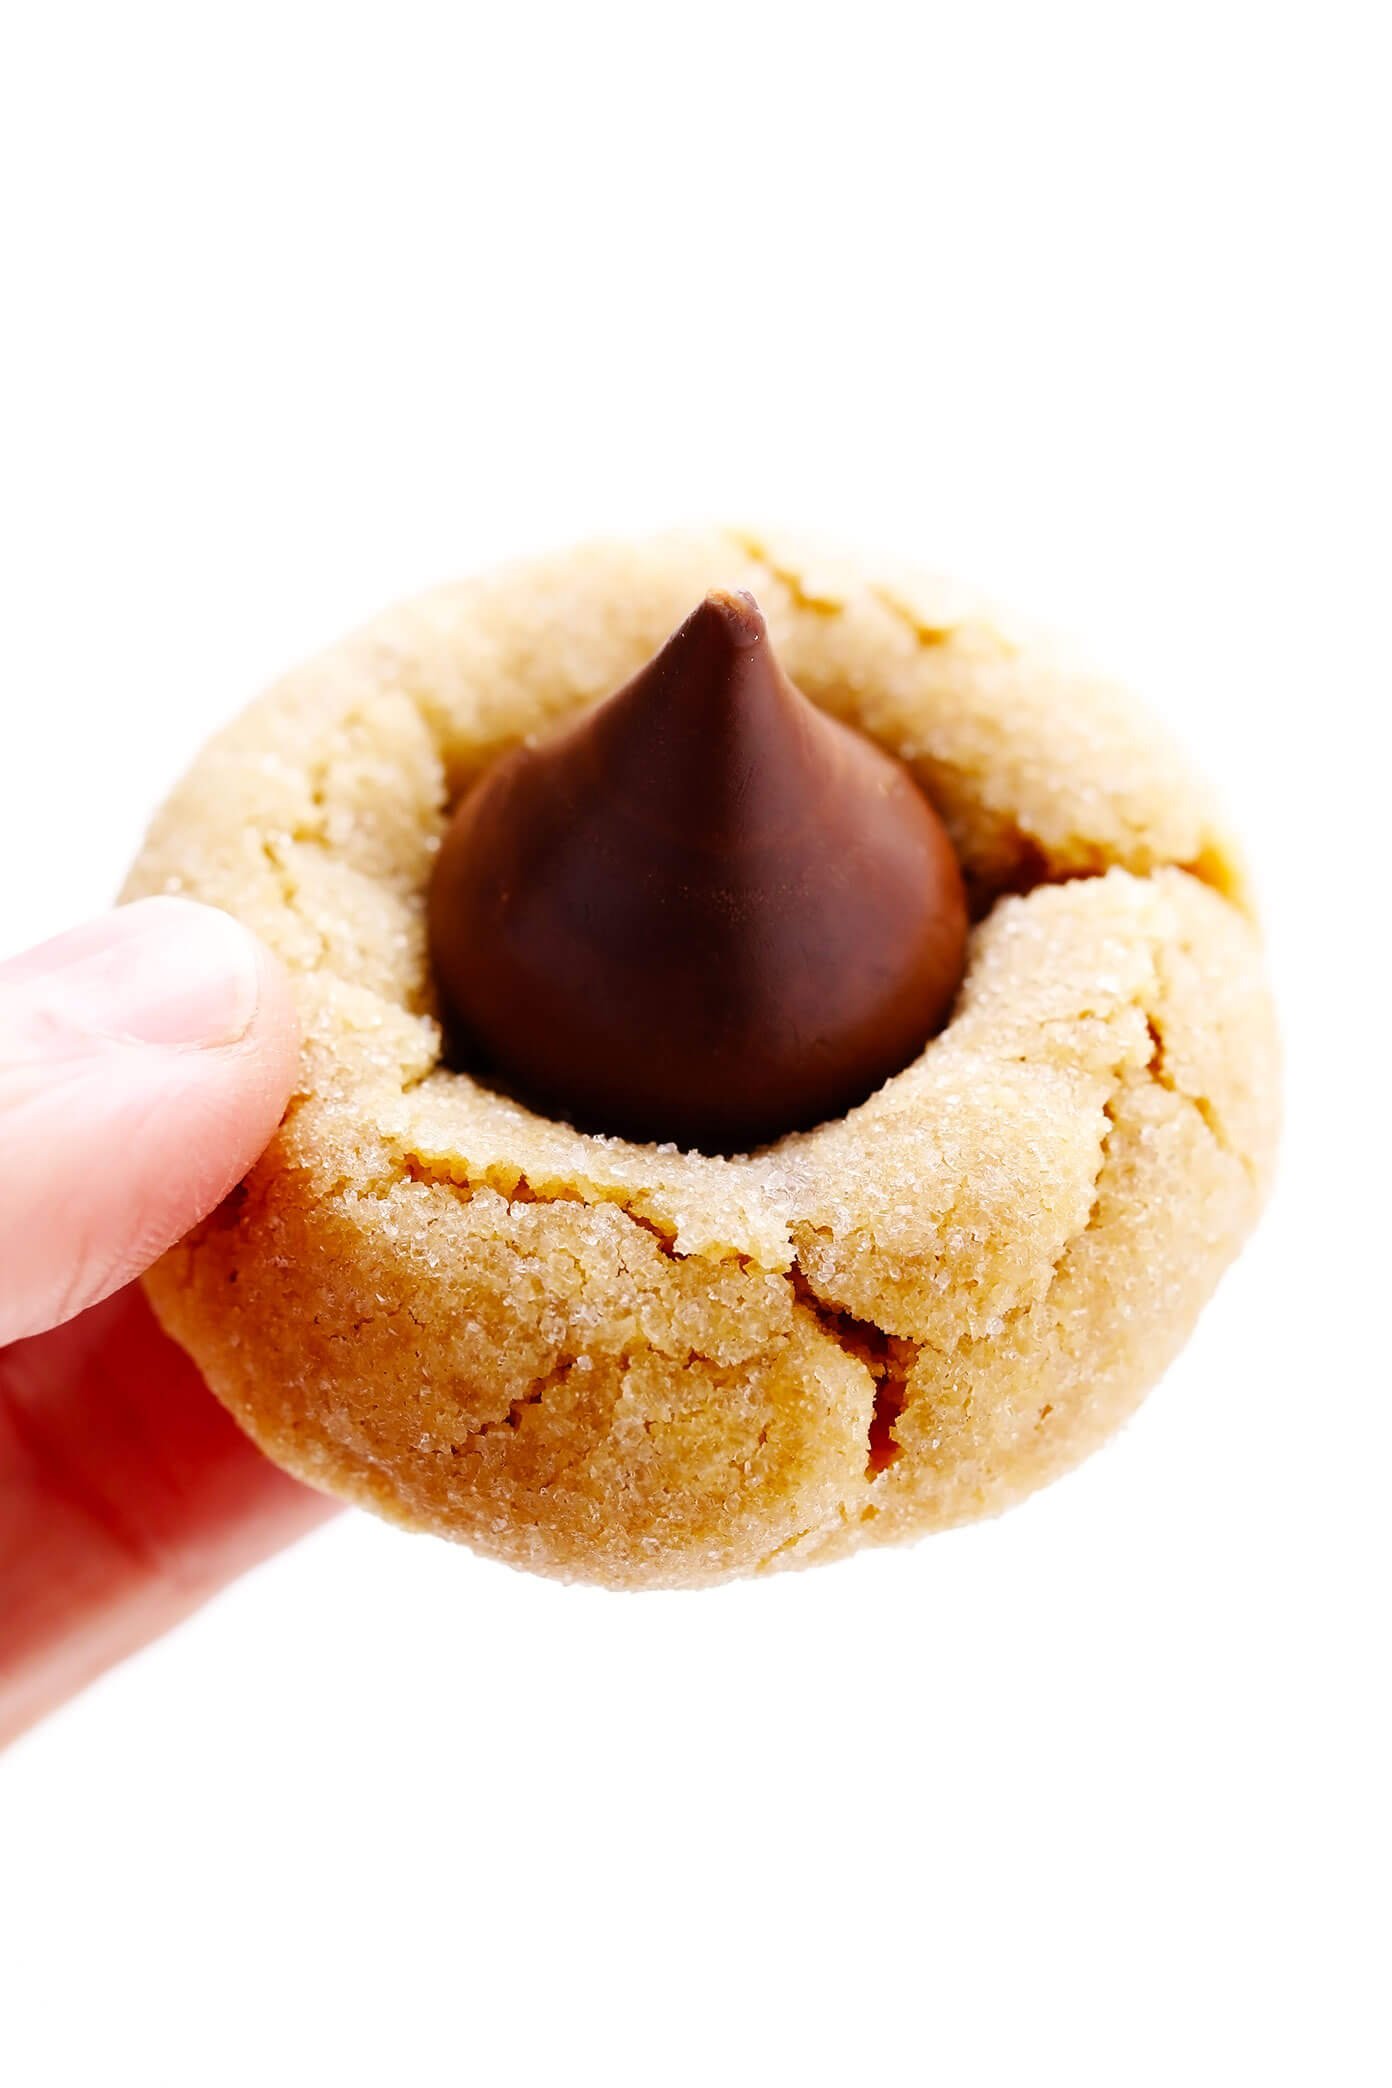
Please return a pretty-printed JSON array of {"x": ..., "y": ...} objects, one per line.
[{"x": 705, "y": 913}]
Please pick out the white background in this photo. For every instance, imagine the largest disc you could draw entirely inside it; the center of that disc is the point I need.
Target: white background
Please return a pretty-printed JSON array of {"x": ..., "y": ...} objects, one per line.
[{"x": 308, "y": 307}]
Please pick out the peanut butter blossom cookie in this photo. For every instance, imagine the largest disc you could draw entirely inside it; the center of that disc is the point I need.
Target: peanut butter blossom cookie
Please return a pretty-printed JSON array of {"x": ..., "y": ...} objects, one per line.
[{"x": 786, "y": 1059}]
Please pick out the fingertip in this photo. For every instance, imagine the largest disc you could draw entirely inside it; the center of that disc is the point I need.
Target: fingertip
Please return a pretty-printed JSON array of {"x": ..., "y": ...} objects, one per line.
[
  {"x": 147, "y": 1060},
  {"x": 267, "y": 1054},
  {"x": 276, "y": 1020}
]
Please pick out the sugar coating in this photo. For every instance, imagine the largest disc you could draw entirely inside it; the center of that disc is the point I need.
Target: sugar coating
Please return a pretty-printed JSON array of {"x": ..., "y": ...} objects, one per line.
[{"x": 631, "y": 1365}]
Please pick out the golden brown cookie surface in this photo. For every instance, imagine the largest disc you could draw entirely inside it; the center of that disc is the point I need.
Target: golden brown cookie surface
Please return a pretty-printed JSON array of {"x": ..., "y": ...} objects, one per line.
[{"x": 633, "y": 1365}]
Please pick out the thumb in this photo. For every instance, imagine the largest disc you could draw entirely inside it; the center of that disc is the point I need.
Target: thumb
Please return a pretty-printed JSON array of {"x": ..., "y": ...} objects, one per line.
[{"x": 145, "y": 1060}]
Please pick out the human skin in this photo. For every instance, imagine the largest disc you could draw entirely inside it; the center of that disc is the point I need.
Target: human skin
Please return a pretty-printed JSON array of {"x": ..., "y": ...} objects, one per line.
[{"x": 145, "y": 1060}]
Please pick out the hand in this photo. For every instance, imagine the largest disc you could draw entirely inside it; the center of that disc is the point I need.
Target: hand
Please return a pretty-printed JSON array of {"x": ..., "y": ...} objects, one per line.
[{"x": 145, "y": 1061}]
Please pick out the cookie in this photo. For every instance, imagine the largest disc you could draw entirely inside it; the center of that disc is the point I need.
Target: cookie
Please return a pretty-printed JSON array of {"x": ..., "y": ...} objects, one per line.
[{"x": 641, "y": 1366}]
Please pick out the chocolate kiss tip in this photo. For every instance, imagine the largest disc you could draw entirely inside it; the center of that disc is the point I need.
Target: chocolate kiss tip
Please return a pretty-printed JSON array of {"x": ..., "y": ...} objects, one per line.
[
  {"x": 663, "y": 929},
  {"x": 743, "y": 618}
]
